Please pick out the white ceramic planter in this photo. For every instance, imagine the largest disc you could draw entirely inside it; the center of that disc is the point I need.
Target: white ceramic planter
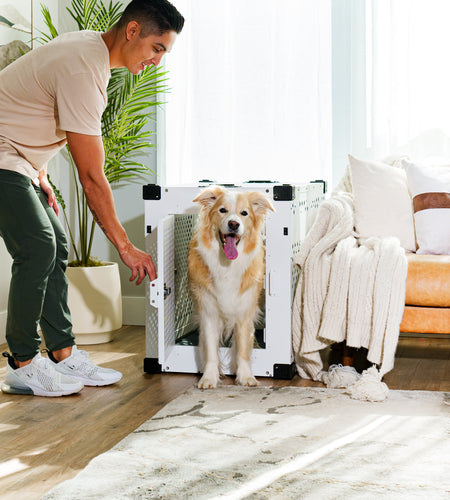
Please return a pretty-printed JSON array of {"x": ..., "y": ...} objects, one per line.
[{"x": 95, "y": 302}]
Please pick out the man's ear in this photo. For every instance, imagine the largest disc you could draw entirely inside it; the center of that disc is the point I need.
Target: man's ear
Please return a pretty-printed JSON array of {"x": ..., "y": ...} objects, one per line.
[
  {"x": 133, "y": 29},
  {"x": 208, "y": 196}
]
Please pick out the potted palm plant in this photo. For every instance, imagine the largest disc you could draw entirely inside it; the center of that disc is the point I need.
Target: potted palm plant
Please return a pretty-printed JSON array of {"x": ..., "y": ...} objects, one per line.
[{"x": 97, "y": 308}]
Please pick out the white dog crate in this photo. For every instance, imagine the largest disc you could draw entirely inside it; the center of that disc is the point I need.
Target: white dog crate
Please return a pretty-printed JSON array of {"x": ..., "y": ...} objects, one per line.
[{"x": 171, "y": 329}]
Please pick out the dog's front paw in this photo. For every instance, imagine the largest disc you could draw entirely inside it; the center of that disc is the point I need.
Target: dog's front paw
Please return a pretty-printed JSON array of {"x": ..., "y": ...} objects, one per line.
[
  {"x": 244, "y": 375},
  {"x": 248, "y": 380},
  {"x": 209, "y": 381}
]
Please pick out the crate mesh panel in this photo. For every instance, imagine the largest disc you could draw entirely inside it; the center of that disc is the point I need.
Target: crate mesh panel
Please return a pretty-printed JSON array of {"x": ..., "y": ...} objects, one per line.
[
  {"x": 298, "y": 215},
  {"x": 151, "y": 345},
  {"x": 169, "y": 285},
  {"x": 302, "y": 217},
  {"x": 184, "y": 322}
]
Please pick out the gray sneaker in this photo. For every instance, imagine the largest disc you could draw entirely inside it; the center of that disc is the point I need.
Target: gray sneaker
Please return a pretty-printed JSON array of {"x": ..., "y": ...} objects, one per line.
[
  {"x": 79, "y": 366},
  {"x": 38, "y": 378}
]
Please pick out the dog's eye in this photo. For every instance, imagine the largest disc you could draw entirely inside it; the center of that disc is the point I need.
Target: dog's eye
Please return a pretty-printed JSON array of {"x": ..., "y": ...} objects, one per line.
[
  {"x": 223, "y": 210},
  {"x": 244, "y": 213}
]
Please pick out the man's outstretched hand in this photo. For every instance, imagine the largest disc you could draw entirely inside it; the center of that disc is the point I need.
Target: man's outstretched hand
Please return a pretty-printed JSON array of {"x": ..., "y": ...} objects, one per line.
[{"x": 140, "y": 263}]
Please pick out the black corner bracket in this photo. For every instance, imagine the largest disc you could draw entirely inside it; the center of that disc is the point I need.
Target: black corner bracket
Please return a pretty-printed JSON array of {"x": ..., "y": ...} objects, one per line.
[
  {"x": 324, "y": 184},
  {"x": 151, "y": 365},
  {"x": 151, "y": 192},
  {"x": 284, "y": 192},
  {"x": 284, "y": 371}
]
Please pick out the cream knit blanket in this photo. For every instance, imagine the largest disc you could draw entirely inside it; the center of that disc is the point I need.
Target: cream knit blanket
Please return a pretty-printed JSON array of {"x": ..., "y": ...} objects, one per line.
[{"x": 348, "y": 290}]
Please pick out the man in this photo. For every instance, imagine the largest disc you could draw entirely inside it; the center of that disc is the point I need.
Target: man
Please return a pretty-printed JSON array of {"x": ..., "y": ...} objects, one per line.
[{"x": 53, "y": 95}]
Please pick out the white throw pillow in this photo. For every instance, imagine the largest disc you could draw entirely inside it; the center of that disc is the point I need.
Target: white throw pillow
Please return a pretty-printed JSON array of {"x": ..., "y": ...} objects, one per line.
[
  {"x": 382, "y": 203},
  {"x": 430, "y": 189}
]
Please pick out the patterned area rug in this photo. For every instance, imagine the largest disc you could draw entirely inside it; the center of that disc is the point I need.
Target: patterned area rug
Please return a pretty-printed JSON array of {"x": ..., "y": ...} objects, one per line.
[{"x": 278, "y": 443}]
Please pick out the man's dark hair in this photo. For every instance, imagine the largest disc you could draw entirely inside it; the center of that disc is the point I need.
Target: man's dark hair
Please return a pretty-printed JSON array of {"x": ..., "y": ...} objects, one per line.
[{"x": 154, "y": 16}]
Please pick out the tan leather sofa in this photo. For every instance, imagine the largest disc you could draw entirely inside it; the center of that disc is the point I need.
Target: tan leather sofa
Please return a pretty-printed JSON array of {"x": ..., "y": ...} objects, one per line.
[{"x": 427, "y": 300}]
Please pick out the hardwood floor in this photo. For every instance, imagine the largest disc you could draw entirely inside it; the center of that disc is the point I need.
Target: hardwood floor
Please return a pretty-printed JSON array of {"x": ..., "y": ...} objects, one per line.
[{"x": 44, "y": 441}]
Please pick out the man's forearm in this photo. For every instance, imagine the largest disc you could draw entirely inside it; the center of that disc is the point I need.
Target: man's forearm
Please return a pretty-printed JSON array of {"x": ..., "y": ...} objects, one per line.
[
  {"x": 101, "y": 203},
  {"x": 88, "y": 154}
]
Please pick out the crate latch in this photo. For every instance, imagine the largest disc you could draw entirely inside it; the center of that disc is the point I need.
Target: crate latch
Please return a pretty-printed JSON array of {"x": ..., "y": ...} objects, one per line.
[{"x": 154, "y": 293}]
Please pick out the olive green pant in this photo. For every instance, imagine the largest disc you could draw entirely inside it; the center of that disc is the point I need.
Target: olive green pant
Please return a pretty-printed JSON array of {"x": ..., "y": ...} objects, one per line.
[{"x": 37, "y": 243}]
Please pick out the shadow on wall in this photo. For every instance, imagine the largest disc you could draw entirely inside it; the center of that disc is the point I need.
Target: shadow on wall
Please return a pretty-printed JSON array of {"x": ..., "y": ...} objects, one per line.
[{"x": 95, "y": 299}]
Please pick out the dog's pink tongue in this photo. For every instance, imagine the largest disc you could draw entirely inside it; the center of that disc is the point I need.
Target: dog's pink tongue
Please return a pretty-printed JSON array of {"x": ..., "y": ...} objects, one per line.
[{"x": 230, "y": 247}]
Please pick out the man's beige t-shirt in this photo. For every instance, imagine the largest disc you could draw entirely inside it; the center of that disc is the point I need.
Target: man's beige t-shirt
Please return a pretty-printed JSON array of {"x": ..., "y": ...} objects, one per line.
[{"x": 58, "y": 87}]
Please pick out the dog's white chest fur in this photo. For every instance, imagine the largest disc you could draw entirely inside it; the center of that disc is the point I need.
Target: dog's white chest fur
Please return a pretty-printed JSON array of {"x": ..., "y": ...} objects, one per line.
[{"x": 227, "y": 279}]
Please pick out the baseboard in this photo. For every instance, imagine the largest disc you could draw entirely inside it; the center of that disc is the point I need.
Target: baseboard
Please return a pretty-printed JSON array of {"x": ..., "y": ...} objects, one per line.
[
  {"x": 133, "y": 310},
  {"x": 2, "y": 327}
]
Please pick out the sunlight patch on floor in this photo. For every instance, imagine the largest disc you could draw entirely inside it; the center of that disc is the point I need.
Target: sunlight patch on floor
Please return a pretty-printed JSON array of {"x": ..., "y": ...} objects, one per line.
[
  {"x": 106, "y": 356},
  {"x": 11, "y": 466},
  {"x": 300, "y": 462},
  {"x": 8, "y": 427},
  {"x": 38, "y": 451}
]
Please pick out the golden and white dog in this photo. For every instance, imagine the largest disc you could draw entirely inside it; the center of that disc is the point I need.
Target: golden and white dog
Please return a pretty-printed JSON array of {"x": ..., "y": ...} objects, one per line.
[{"x": 226, "y": 272}]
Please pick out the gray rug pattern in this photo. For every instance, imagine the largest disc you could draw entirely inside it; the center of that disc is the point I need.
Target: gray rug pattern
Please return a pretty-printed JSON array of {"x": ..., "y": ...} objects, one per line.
[{"x": 278, "y": 443}]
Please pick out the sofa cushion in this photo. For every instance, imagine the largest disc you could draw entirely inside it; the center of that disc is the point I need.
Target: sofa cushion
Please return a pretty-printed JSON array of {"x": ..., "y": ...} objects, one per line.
[
  {"x": 425, "y": 320},
  {"x": 382, "y": 203},
  {"x": 428, "y": 280},
  {"x": 430, "y": 188}
]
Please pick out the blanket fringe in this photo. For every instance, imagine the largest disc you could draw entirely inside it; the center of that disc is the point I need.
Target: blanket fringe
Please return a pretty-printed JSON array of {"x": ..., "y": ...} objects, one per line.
[
  {"x": 340, "y": 377},
  {"x": 365, "y": 387},
  {"x": 369, "y": 387}
]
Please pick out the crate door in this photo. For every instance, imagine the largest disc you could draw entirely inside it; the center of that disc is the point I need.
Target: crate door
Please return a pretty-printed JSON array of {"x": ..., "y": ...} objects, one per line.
[{"x": 166, "y": 291}]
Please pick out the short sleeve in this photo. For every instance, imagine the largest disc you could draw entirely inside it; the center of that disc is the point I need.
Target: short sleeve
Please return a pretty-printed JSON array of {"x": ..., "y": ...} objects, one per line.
[{"x": 80, "y": 103}]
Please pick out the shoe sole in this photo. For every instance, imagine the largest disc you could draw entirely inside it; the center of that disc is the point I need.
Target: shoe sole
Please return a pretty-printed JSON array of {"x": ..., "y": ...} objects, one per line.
[{"x": 10, "y": 389}]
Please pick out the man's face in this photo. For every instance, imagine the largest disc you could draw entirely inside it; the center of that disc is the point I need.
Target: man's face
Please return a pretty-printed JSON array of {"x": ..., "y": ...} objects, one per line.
[{"x": 142, "y": 52}]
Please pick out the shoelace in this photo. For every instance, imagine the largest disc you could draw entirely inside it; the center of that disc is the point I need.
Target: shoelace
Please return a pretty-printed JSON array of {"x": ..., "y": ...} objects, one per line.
[
  {"x": 88, "y": 361},
  {"x": 84, "y": 364},
  {"x": 43, "y": 365}
]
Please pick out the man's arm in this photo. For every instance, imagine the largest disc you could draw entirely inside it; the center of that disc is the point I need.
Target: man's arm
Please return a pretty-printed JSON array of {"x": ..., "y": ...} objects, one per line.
[{"x": 89, "y": 156}]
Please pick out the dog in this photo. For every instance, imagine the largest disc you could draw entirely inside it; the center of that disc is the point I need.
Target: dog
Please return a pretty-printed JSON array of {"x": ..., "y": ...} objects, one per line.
[{"x": 226, "y": 262}]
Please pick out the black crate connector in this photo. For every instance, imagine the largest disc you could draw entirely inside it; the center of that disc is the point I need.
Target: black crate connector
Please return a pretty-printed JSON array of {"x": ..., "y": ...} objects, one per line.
[
  {"x": 151, "y": 365},
  {"x": 283, "y": 371},
  {"x": 255, "y": 181},
  {"x": 151, "y": 192},
  {"x": 324, "y": 184},
  {"x": 285, "y": 192}
]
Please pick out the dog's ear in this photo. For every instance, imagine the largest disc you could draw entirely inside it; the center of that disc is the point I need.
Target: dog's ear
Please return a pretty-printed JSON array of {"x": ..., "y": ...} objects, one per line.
[
  {"x": 260, "y": 203},
  {"x": 208, "y": 196}
]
